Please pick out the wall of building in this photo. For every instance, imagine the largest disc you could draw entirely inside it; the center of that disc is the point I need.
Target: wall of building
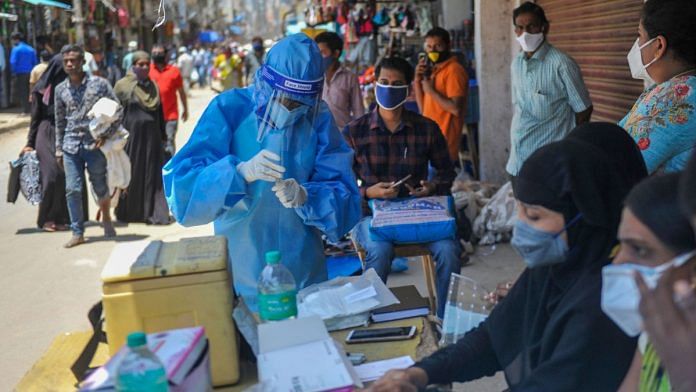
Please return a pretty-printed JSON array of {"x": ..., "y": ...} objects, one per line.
[{"x": 495, "y": 47}]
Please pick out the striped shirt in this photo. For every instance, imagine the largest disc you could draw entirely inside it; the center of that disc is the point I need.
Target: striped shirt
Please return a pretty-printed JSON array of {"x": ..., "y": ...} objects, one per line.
[
  {"x": 547, "y": 91},
  {"x": 385, "y": 156}
]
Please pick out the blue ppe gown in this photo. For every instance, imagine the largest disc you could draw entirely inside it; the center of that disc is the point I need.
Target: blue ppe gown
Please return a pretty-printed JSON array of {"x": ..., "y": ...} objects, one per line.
[{"x": 202, "y": 184}]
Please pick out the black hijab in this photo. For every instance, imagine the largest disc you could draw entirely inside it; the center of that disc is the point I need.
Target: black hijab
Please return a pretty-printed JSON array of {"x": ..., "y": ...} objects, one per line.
[
  {"x": 589, "y": 173},
  {"x": 655, "y": 202},
  {"x": 549, "y": 333},
  {"x": 52, "y": 76}
]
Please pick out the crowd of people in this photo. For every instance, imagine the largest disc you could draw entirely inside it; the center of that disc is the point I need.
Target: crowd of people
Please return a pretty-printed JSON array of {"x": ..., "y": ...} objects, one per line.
[{"x": 290, "y": 152}]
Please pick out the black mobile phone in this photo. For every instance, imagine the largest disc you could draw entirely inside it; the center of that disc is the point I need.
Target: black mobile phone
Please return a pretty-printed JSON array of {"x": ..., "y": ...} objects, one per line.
[{"x": 380, "y": 334}]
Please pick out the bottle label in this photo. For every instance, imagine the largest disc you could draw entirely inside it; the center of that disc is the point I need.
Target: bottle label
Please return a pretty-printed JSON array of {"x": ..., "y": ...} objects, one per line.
[{"x": 278, "y": 306}]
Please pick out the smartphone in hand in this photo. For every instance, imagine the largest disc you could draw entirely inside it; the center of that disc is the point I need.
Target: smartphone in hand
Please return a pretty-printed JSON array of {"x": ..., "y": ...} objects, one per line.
[{"x": 400, "y": 182}]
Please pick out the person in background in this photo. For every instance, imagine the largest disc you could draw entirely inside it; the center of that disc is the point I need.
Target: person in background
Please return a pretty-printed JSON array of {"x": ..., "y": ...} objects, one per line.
[
  {"x": 254, "y": 60},
  {"x": 267, "y": 165},
  {"x": 22, "y": 61},
  {"x": 391, "y": 143},
  {"x": 143, "y": 117},
  {"x": 548, "y": 93},
  {"x": 663, "y": 119},
  {"x": 441, "y": 88},
  {"x": 549, "y": 333},
  {"x": 3, "y": 65},
  {"x": 75, "y": 146},
  {"x": 102, "y": 68},
  {"x": 128, "y": 58},
  {"x": 185, "y": 64},
  {"x": 170, "y": 83},
  {"x": 341, "y": 88},
  {"x": 53, "y": 209},
  {"x": 201, "y": 60},
  {"x": 38, "y": 70},
  {"x": 654, "y": 235}
]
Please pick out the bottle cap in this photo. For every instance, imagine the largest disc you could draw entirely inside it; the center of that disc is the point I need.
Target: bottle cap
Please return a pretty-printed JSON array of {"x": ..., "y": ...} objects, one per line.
[
  {"x": 136, "y": 339},
  {"x": 273, "y": 257}
]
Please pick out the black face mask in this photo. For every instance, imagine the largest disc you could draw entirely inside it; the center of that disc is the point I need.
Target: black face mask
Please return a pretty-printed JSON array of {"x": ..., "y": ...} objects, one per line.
[
  {"x": 159, "y": 58},
  {"x": 441, "y": 56}
]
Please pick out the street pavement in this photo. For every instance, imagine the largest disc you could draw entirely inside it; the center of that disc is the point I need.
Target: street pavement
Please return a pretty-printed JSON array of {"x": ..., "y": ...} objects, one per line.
[{"x": 47, "y": 290}]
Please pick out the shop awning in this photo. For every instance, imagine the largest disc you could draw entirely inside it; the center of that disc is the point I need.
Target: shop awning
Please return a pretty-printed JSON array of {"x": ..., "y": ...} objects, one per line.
[{"x": 51, "y": 3}]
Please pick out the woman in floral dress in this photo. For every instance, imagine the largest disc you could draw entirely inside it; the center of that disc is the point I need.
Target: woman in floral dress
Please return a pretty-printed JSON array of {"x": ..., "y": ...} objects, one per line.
[{"x": 663, "y": 120}]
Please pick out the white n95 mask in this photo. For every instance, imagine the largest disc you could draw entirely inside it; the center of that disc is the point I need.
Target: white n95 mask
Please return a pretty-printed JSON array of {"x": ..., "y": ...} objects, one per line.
[
  {"x": 635, "y": 62},
  {"x": 621, "y": 296},
  {"x": 530, "y": 42}
]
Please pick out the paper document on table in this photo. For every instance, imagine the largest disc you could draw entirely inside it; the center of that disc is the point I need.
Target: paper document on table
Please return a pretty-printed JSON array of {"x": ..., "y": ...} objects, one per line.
[
  {"x": 311, "y": 367},
  {"x": 373, "y": 370}
]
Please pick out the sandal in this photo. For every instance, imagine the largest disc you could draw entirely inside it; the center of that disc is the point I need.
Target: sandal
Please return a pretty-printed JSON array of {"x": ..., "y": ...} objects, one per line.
[
  {"x": 75, "y": 240},
  {"x": 49, "y": 227}
]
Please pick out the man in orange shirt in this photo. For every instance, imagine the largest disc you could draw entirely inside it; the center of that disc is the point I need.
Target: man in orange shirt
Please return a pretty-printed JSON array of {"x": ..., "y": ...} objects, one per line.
[
  {"x": 170, "y": 83},
  {"x": 441, "y": 87}
]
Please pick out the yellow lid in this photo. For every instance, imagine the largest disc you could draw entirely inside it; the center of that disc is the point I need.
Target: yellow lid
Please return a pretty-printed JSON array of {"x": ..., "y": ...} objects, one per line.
[{"x": 150, "y": 259}]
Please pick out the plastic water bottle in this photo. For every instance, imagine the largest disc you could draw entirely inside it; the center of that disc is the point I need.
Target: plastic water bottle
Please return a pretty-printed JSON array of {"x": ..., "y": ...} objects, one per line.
[
  {"x": 140, "y": 370},
  {"x": 277, "y": 290}
]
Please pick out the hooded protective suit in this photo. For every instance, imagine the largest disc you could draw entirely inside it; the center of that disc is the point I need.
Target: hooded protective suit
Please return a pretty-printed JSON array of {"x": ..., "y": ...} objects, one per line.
[{"x": 202, "y": 182}]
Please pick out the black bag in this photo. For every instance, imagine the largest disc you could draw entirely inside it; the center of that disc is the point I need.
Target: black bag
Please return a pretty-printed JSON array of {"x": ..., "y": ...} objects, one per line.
[
  {"x": 80, "y": 368},
  {"x": 13, "y": 183}
]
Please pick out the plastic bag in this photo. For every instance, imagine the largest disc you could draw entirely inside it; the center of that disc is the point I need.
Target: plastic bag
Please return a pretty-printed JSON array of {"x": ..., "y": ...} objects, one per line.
[
  {"x": 118, "y": 164},
  {"x": 465, "y": 309},
  {"x": 30, "y": 178},
  {"x": 344, "y": 300},
  {"x": 494, "y": 223},
  {"x": 103, "y": 114},
  {"x": 414, "y": 220}
]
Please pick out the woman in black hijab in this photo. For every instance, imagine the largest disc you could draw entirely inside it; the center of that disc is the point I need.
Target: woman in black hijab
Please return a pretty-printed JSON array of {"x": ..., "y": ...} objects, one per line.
[
  {"x": 549, "y": 333},
  {"x": 144, "y": 200},
  {"x": 53, "y": 209}
]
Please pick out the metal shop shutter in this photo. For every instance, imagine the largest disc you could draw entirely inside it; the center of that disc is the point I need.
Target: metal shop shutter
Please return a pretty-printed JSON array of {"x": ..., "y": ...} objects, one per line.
[{"x": 598, "y": 34}]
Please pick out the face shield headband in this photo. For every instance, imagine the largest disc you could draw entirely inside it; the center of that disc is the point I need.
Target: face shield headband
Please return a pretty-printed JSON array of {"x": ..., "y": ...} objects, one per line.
[{"x": 286, "y": 102}]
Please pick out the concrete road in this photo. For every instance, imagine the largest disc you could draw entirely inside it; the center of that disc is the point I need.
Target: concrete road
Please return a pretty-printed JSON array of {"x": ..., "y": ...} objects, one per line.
[{"x": 46, "y": 290}]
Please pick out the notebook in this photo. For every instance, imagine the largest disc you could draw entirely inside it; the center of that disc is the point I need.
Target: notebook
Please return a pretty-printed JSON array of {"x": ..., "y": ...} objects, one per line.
[{"x": 411, "y": 304}]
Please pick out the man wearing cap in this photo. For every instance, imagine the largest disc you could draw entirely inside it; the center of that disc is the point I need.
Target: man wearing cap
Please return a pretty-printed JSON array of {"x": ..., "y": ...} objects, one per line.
[
  {"x": 128, "y": 58},
  {"x": 268, "y": 166},
  {"x": 185, "y": 64}
]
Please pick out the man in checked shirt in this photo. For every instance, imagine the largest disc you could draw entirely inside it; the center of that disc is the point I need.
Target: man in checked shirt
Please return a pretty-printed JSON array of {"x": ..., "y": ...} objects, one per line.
[
  {"x": 390, "y": 143},
  {"x": 75, "y": 147}
]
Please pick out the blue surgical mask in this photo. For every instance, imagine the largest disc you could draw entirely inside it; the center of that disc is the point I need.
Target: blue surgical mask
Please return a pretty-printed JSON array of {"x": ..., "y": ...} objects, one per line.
[
  {"x": 283, "y": 118},
  {"x": 326, "y": 62},
  {"x": 390, "y": 97},
  {"x": 621, "y": 296},
  {"x": 537, "y": 247}
]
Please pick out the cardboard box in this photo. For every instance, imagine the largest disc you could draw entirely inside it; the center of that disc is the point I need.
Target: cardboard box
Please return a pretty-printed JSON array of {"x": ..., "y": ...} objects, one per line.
[{"x": 155, "y": 286}]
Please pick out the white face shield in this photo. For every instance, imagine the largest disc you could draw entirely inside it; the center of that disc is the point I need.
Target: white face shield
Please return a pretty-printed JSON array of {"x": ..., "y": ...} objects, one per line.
[{"x": 283, "y": 101}]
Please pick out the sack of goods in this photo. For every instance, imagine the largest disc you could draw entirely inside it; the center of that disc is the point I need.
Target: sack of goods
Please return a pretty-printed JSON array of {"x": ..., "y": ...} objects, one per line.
[{"x": 415, "y": 220}]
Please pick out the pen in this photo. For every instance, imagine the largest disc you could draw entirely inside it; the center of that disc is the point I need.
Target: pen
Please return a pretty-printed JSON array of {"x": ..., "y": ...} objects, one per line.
[{"x": 405, "y": 152}]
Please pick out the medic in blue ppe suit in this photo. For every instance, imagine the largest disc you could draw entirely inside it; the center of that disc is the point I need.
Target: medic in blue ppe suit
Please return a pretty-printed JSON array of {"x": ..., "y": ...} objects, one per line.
[{"x": 267, "y": 164}]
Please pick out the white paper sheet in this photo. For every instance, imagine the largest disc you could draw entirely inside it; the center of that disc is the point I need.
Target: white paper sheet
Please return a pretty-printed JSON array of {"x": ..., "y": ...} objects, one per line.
[{"x": 371, "y": 371}]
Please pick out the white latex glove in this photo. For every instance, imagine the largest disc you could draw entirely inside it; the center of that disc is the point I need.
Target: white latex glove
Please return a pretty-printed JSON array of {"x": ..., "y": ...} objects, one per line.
[
  {"x": 290, "y": 193},
  {"x": 261, "y": 167}
]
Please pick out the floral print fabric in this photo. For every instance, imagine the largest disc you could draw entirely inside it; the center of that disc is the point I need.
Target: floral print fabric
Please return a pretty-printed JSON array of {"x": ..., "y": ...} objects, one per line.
[{"x": 663, "y": 124}]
